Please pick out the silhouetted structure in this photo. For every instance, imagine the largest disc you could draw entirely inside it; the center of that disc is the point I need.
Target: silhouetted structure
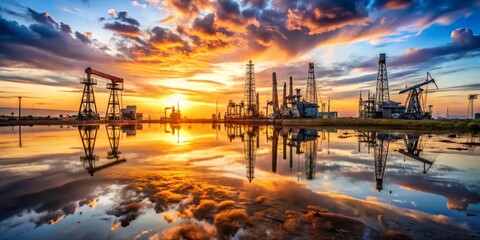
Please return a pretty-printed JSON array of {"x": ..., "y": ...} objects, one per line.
[
  {"x": 311, "y": 95},
  {"x": 88, "y": 135},
  {"x": 414, "y": 108},
  {"x": 251, "y": 96},
  {"x": 88, "y": 107},
  {"x": 382, "y": 92},
  {"x": 250, "y": 145},
  {"x": 412, "y": 142}
]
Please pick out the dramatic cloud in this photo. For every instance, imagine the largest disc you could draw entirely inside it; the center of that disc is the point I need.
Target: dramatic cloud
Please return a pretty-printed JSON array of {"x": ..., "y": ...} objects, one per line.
[
  {"x": 464, "y": 44},
  {"x": 43, "y": 45},
  {"x": 393, "y": 4}
]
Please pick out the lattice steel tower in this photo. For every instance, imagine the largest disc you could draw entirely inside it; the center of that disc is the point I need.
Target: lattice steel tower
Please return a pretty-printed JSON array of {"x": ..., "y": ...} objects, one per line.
[
  {"x": 250, "y": 93},
  {"x": 382, "y": 94},
  {"x": 114, "y": 104},
  {"x": 88, "y": 107},
  {"x": 311, "y": 85}
]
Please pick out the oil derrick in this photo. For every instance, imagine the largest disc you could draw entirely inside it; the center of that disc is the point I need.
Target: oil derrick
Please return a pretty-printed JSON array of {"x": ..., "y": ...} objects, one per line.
[
  {"x": 250, "y": 146},
  {"x": 311, "y": 159},
  {"x": 311, "y": 95},
  {"x": 113, "y": 133},
  {"x": 382, "y": 93},
  {"x": 413, "y": 109},
  {"x": 114, "y": 105},
  {"x": 251, "y": 103},
  {"x": 88, "y": 107},
  {"x": 276, "y": 109},
  {"x": 380, "y": 156},
  {"x": 471, "y": 109},
  {"x": 88, "y": 134}
]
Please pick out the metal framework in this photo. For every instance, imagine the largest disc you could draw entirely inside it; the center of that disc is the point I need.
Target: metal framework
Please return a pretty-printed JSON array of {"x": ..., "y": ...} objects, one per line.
[
  {"x": 250, "y": 92},
  {"x": 380, "y": 156},
  {"x": 88, "y": 107},
  {"x": 414, "y": 148},
  {"x": 382, "y": 93},
  {"x": 471, "y": 109},
  {"x": 311, "y": 159},
  {"x": 311, "y": 95},
  {"x": 114, "y": 104},
  {"x": 114, "y": 134},
  {"x": 413, "y": 105},
  {"x": 250, "y": 146},
  {"x": 366, "y": 108},
  {"x": 88, "y": 134}
]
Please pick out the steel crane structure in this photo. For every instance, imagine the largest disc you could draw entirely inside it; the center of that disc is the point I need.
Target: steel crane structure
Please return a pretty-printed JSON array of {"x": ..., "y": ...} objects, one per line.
[
  {"x": 88, "y": 107},
  {"x": 414, "y": 108},
  {"x": 471, "y": 99}
]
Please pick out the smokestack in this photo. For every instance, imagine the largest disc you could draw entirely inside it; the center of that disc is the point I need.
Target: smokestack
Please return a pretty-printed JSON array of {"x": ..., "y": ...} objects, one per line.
[
  {"x": 284, "y": 95},
  {"x": 328, "y": 104},
  {"x": 275, "y": 95},
  {"x": 291, "y": 87}
]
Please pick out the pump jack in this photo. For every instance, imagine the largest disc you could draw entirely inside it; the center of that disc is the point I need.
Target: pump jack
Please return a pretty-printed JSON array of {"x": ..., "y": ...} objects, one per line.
[{"x": 414, "y": 109}]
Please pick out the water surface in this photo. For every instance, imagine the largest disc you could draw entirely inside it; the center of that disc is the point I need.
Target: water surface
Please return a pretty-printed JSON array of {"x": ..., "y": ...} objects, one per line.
[{"x": 214, "y": 181}]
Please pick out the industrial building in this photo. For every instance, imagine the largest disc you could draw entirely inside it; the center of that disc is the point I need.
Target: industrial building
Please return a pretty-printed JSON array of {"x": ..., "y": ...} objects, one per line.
[
  {"x": 379, "y": 104},
  {"x": 130, "y": 113},
  {"x": 293, "y": 105}
]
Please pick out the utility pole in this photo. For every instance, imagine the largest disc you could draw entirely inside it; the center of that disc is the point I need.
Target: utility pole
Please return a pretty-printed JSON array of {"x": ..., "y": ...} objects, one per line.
[{"x": 19, "y": 108}]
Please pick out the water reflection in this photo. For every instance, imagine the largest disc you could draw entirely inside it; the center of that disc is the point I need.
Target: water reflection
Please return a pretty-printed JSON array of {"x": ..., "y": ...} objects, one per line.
[
  {"x": 235, "y": 182},
  {"x": 88, "y": 134}
]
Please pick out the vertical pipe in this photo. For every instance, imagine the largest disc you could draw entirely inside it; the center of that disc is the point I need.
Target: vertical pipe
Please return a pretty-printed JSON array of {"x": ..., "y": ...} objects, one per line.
[
  {"x": 275, "y": 95},
  {"x": 19, "y": 108},
  {"x": 291, "y": 87},
  {"x": 284, "y": 95}
]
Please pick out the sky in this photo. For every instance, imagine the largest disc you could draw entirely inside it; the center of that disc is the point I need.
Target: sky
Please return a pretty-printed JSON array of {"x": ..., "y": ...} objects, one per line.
[{"x": 194, "y": 51}]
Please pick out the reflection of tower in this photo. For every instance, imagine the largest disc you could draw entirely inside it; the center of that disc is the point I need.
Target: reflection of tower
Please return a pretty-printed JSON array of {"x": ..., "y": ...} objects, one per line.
[
  {"x": 310, "y": 159},
  {"x": 380, "y": 157},
  {"x": 382, "y": 94},
  {"x": 276, "y": 133},
  {"x": 250, "y": 146},
  {"x": 250, "y": 93},
  {"x": 113, "y": 133},
  {"x": 88, "y": 134},
  {"x": 88, "y": 107},
  {"x": 311, "y": 85}
]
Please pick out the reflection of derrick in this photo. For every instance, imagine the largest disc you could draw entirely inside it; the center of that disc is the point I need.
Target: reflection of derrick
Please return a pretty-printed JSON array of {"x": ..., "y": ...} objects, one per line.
[
  {"x": 113, "y": 133},
  {"x": 250, "y": 145},
  {"x": 88, "y": 134},
  {"x": 380, "y": 157},
  {"x": 413, "y": 150},
  {"x": 310, "y": 159}
]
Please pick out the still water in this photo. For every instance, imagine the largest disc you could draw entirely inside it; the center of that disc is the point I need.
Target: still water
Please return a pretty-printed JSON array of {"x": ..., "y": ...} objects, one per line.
[{"x": 244, "y": 182}]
